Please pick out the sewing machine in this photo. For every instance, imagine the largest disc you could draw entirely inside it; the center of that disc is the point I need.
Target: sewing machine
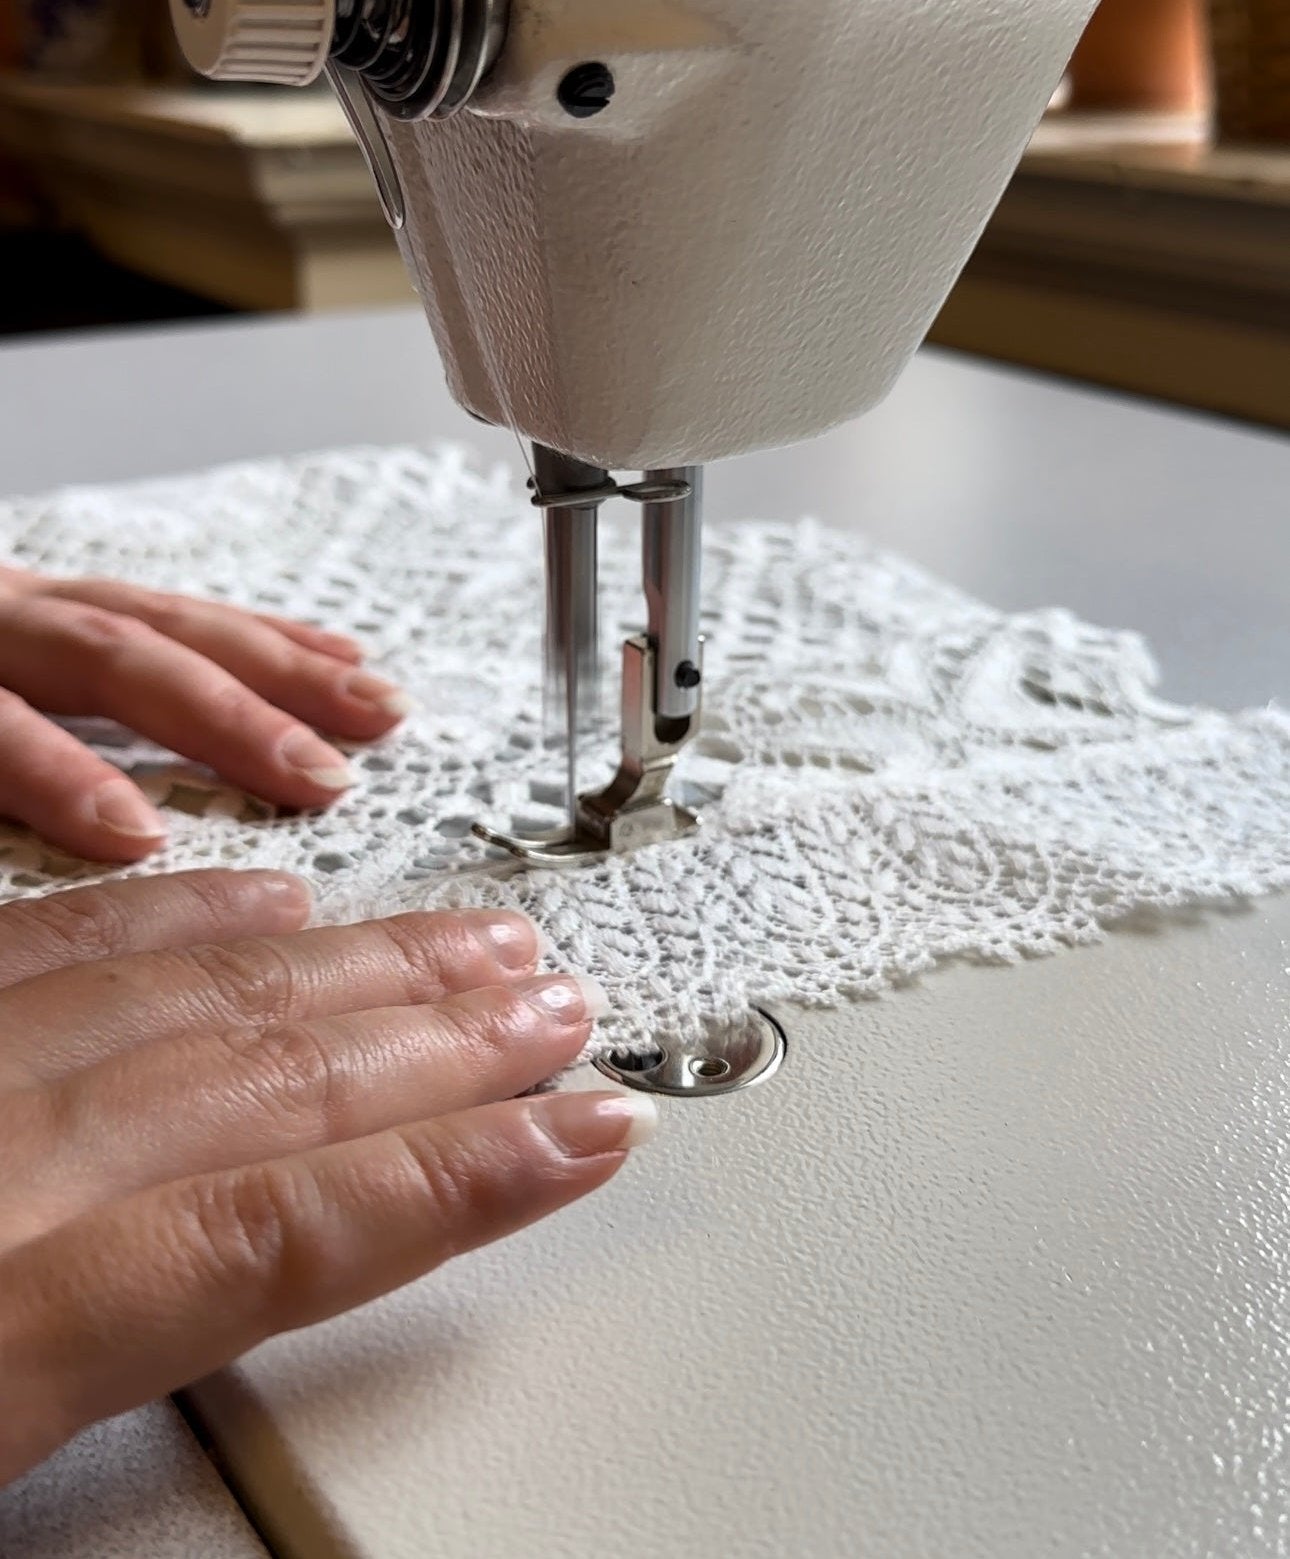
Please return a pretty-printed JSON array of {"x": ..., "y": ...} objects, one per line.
[{"x": 653, "y": 235}]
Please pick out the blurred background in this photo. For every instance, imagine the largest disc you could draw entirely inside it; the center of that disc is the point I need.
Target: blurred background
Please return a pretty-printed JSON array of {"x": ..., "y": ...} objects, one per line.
[{"x": 1145, "y": 242}]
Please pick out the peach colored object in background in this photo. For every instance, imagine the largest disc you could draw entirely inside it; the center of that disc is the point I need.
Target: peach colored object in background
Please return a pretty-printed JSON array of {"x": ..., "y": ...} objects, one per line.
[{"x": 1143, "y": 54}]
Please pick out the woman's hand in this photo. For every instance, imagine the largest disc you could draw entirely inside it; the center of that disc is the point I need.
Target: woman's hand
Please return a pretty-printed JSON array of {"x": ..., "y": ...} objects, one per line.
[
  {"x": 206, "y": 1141},
  {"x": 222, "y": 686}
]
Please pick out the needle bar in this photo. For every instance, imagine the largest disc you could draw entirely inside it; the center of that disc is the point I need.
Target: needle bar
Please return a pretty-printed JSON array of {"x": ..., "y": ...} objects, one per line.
[
  {"x": 673, "y": 550},
  {"x": 572, "y": 655}
]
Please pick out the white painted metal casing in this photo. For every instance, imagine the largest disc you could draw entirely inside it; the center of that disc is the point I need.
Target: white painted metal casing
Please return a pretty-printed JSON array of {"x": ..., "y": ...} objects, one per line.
[{"x": 742, "y": 251}]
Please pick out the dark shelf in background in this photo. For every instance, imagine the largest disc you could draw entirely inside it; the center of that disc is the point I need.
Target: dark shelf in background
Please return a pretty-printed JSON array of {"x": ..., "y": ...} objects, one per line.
[{"x": 56, "y": 281}]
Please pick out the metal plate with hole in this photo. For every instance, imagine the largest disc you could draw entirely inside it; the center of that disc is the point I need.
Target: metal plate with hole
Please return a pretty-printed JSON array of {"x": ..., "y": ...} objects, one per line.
[{"x": 724, "y": 1061}]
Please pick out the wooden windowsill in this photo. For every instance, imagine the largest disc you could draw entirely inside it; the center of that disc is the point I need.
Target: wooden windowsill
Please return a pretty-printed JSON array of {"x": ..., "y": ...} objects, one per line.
[
  {"x": 1131, "y": 252},
  {"x": 1157, "y": 152},
  {"x": 255, "y": 198}
]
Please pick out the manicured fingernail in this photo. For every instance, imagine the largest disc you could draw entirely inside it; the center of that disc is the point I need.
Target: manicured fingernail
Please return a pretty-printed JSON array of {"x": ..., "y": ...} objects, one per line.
[
  {"x": 120, "y": 809},
  {"x": 511, "y": 938},
  {"x": 584, "y": 1125},
  {"x": 311, "y": 757},
  {"x": 384, "y": 696},
  {"x": 291, "y": 892},
  {"x": 568, "y": 998}
]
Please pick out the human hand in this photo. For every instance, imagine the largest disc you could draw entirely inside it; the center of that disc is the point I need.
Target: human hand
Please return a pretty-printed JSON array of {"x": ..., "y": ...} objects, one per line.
[
  {"x": 204, "y": 1142},
  {"x": 222, "y": 686}
]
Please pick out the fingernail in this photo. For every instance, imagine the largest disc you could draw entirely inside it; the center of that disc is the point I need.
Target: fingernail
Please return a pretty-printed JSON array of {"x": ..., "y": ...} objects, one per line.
[
  {"x": 584, "y": 1125},
  {"x": 511, "y": 938},
  {"x": 321, "y": 765},
  {"x": 291, "y": 892},
  {"x": 120, "y": 808},
  {"x": 384, "y": 696},
  {"x": 568, "y": 998}
]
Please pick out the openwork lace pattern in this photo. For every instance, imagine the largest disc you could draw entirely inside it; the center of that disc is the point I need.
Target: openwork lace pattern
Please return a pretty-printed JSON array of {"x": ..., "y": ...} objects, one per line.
[{"x": 891, "y": 773}]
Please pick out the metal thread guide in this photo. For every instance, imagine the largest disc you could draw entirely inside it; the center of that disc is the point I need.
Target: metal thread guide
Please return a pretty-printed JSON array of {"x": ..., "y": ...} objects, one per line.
[{"x": 662, "y": 672}]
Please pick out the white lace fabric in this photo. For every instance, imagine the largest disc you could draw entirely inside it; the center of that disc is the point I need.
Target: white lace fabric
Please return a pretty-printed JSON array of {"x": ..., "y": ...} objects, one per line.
[{"x": 890, "y": 773}]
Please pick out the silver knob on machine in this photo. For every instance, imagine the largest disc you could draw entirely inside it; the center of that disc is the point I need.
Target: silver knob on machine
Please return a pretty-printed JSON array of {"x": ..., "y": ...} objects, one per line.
[
  {"x": 280, "y": 41},
  {"x": 419, "y": 59}
]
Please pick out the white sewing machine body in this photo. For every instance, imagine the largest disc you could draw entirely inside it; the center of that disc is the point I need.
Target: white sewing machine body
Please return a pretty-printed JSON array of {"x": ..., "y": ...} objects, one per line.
[
  {"x": 739, "y": 244},
  {"x": 746, "y": 248}
]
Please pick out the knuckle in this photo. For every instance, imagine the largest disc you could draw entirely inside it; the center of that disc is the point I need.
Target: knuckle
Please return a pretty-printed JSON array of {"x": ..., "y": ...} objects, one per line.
[
  {"x": 99, "y": 631},
  {"x": 250, "y": 979},
  {"x": 169, "y": 614},
  {"x": 488, "y": 1022},
  {"x": 305, "y": 665},
  {"x": 82, "y": 925},
  {"x": 103, "y": 641},
  {"x": 230, "y": 704},
  {"x": 299, "y": 1077},
  {"x": 429, "y": 948},
  {"x": 236, "y": 1227},
  {"x": 450, "y": 1185}
]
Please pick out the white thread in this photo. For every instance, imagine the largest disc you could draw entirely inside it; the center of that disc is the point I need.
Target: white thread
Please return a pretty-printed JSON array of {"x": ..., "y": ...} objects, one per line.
[{"x": 891, "y": 773}]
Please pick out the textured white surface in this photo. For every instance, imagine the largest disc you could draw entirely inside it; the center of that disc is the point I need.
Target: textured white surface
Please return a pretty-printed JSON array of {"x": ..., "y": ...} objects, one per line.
[
  {"x": 995, "y": 1268},
  {"x": 1024, "y": 492},
  {"x": 135, "y": 1487},
  {"x": 889, "y": 771},
  {"x": 748, "y": 245},
  {"x": 1014, "y": 1233}
]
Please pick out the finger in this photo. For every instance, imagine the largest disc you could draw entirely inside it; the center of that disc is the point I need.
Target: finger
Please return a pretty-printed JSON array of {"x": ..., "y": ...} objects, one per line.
[
  {"x": 18, "y": 580},
  {"x": 338, "y": 645},
  {"x": 210, "y": 1102},
  {"x": 71, "y": 797},
  {"x": 81, "y": 1015},
  {"x": 142, "y": 914},
  {"x": 70, "y": 659},
  {"x": 315, "y": 687},
  {"x": 137, "y": 1299}
]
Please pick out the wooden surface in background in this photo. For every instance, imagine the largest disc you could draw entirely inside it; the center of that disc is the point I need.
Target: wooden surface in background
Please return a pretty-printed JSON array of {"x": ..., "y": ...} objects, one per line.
[
  {"x": 255, "y": 198},
  {"x": 1132, "y": 253}
]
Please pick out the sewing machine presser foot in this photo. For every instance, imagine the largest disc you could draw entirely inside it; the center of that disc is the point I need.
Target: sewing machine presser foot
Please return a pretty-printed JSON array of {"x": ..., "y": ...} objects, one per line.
[{"x": 634, "y": 809}]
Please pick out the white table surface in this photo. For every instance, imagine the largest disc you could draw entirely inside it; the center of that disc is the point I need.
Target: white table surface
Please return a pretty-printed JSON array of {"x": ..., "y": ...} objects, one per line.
[
  {"x": 137, "y": 1487},
  {"x": 997, "y": 1266}
]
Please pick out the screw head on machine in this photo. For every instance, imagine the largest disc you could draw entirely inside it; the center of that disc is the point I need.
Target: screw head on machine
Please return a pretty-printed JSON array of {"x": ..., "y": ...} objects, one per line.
[{"x": 587, "y": 90}]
